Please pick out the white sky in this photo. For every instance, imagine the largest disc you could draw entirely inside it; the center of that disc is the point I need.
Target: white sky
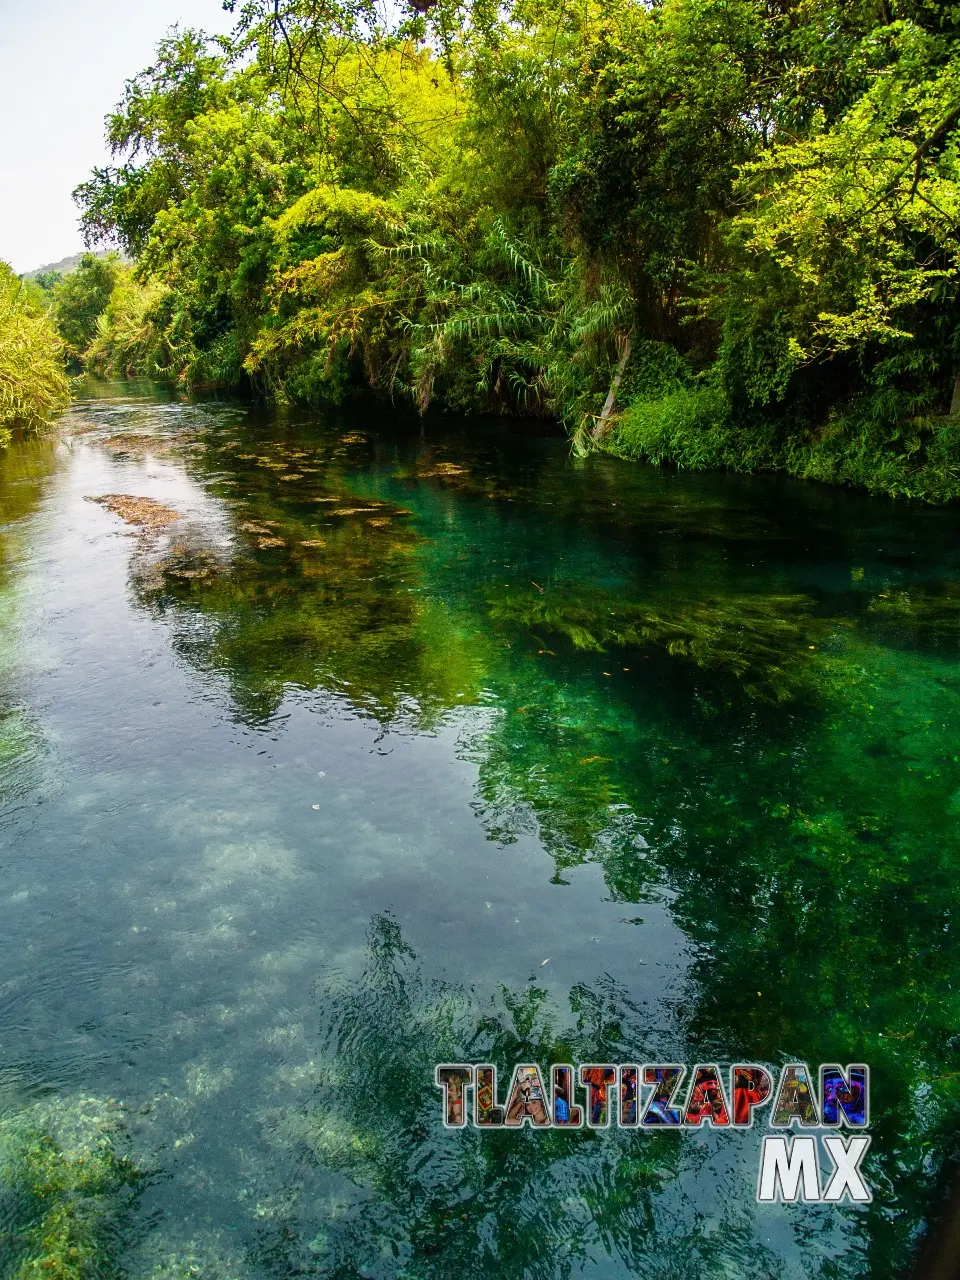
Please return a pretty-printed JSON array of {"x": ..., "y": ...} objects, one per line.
[{"x": 62, "y": 68}]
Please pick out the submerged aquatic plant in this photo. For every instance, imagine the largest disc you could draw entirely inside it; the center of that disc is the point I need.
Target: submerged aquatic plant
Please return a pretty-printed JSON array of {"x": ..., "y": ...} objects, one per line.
[
  {"x": 146, "y": 514},
  {"x": 69, "y": 1186},
  {"x": 763, "y": 641},
  {"x": 318, "y": 598},
  {"x": 922, "y": 615}
]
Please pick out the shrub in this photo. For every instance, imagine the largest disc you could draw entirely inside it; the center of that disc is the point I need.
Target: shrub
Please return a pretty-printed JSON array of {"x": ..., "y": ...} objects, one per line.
[{"x": 32, "y": 377}]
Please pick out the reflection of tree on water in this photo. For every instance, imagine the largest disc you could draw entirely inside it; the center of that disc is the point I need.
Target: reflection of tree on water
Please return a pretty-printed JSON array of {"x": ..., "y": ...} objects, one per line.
[
  {"x": 322, "y": 590},
  {"x": 26, "y": 469},
  {"x": 431, "y": 1203},
  {"x": 803, "y": 829},
  {"x": 810, "y": 856},
  {"x": 329, "y": 603}
]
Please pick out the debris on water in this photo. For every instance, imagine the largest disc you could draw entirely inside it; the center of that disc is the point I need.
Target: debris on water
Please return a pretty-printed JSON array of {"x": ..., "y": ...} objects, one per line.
[
  {"x": 86, "y": 429},
  {"x": 443, "y": 471},
  {"x": 314, "y": 542},
  {"x": 294, "y": 475},
  {"x": 146, "y": 513},
  {"x": 270, "y": 542},
  {"x": 127, "y": 443}
]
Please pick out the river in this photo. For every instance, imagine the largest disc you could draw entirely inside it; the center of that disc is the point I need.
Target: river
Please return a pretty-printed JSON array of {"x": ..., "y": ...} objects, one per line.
[{"x": 389, "y": 746}]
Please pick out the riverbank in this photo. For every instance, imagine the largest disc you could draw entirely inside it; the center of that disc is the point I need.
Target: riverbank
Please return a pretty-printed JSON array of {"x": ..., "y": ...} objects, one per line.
[
  {"x": 33, "y": 381},
  {"x": 657, "y": 411},
  {"x": 915, "y": 458}
]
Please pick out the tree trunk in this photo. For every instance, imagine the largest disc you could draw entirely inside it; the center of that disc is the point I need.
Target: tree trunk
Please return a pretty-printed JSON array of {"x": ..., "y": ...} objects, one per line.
[
  {"x": 608, "y": 404},
  {"x": 955, "y": 401}
]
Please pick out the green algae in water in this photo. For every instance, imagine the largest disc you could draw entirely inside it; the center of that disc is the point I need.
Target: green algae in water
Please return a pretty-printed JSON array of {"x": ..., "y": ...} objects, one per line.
[
  {"x": 69, "y": 1191},
  {"x": 315, "y": 603},
  {"x": 762, "y": 641}
]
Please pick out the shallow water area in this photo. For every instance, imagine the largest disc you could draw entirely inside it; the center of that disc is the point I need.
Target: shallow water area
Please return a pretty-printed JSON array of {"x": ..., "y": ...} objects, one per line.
[{"x": 363, "y": 746}]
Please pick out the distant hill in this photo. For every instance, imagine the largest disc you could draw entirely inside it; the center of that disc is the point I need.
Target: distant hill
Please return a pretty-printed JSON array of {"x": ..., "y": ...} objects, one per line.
[{"x": 66, "y": 265}]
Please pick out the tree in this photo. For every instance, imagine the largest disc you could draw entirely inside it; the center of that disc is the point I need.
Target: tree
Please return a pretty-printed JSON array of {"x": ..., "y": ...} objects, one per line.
[{"x": 81, "y": 298}]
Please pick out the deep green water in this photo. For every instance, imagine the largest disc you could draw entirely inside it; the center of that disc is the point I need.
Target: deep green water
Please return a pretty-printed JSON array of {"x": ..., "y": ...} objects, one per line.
[{"x": 409, "y": 747}]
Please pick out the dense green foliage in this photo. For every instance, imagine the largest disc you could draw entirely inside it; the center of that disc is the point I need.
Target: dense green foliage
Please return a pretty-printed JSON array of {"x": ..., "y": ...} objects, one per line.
[
  {"x": 32, "y": 380},
  {"x": 746, "y": 208},
  {"x": 80, "y": 298}
]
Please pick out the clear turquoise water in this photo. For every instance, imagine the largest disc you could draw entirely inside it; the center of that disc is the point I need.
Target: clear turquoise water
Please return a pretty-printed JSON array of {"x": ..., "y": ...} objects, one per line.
[{"x": 409, "y": 746}]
